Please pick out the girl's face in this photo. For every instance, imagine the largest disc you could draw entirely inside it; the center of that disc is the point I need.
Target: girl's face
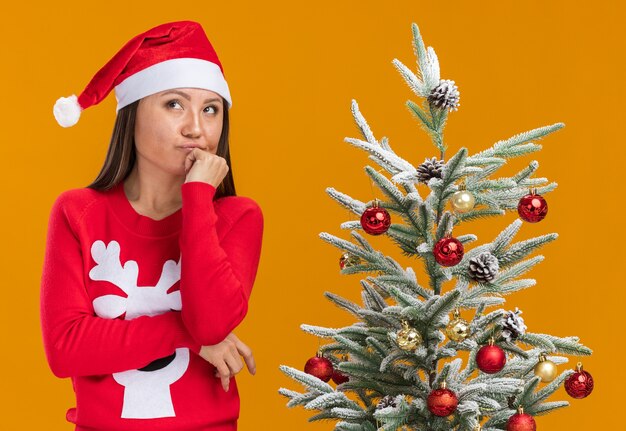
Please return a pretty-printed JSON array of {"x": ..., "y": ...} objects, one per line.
[{"x": 168, "y": 121}]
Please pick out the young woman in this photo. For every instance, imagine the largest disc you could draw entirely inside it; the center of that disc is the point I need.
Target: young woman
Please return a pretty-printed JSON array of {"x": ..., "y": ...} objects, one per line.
[{"x": 149, "y": 269}]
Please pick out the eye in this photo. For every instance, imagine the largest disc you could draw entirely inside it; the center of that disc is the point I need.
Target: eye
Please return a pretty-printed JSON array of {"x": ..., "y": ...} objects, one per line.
[
  {"x": 173, "y": 102},
  {"x": 214, "y": 107}
]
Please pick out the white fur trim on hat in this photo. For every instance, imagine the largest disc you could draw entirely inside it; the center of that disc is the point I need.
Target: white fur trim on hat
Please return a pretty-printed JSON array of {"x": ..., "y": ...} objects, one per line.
[
  {"x": 67, "y": 111},
  {"x": 169, "y": 74}
]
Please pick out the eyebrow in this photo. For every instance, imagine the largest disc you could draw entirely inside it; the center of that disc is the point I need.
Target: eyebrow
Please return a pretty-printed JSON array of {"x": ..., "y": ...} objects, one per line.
[{"x": 186, "y": 96}]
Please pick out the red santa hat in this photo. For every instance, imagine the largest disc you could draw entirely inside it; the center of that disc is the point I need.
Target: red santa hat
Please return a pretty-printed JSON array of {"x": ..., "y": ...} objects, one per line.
[{"x": 172, "y": 55}]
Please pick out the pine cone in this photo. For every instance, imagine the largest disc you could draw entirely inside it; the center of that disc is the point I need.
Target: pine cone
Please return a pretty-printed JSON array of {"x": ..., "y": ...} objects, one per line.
[
  {"x": 513, "y": 326},
  {"x": 484, "y": 267},
  {"x": 386, "y": 401},
  {"x": 445, "y": 95},
  {"x": 431, "y": 168}
]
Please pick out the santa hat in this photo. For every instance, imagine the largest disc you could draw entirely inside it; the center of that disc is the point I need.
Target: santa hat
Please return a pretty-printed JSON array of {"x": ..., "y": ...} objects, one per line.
[{"x": 172, "y": 55}]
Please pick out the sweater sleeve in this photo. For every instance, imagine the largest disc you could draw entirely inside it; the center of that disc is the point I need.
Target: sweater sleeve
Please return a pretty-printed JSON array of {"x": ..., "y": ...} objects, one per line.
[
  {"x": 217, "y": 272},
  {"x": 76, "y": 341}
]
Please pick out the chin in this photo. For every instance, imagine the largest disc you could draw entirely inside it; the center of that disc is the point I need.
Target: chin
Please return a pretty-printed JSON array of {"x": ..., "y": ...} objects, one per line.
[{"x": 176, "y": 171}]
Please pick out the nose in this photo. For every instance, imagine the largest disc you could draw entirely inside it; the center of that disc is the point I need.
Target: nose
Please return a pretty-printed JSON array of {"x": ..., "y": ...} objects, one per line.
[{"x": 191, "y": 127}]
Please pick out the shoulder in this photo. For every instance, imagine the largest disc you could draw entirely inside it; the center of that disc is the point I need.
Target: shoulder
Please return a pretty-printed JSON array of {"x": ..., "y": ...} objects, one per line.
[
  {"x": 73, "y": 203},
  {"x": 236, "y": 208}
]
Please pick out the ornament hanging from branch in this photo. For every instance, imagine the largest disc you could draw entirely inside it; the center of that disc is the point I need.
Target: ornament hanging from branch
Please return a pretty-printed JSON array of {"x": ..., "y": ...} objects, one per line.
[
  {"x": 448, "y": 251},
  {"x": 462, "y": 201},
  {"x": 546, "y": 369},
  {"x": 521, "y": 421},
  {"x": 408, "y": 338},
  {"x": 442, "y": 402},
  {"x": 338, "y": 377},
  {"x": 348, "y": 260},
  {"x": 375, "y": 220},
  {"x": 458, "y": 329},
  {"x": 533, "y": 207},
  {"x": 320, "y": 367},
  {"x": 580, "y": 384},
  {"x": 490, "y": 358}
]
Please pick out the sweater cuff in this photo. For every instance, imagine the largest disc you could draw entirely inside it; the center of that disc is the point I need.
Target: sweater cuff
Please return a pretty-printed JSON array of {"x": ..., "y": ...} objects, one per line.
[
  {"x": 185, "y": 337},
  {"x": 198, "y": 210},
  {"x": 198, "y": 189}
]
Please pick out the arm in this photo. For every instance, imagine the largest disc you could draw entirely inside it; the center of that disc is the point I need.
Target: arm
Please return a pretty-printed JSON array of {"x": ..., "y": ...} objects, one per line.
[
  {"x": 217, "y": 274},
  {"x": 76, "y": 341}
]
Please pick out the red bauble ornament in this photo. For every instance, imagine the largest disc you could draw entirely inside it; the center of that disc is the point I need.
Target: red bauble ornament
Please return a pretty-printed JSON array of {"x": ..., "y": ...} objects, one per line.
[
  {"x": 521, "y": 421},
  {"x": 375, "y": 220},
  {"x": 448, "y": 251},
  {"x": 532, "y": 207},
  {"x": 580, "y": 384},
  {"x": 442, "y": 402},
  {"x": 319, "y": 367},
  {"x": 339, "y": 377},
  {"x": 490, "y": 359}
]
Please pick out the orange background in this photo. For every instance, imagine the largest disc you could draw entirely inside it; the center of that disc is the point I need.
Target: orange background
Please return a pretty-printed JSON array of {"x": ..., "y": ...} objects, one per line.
[{"x": 293, "y": 69}]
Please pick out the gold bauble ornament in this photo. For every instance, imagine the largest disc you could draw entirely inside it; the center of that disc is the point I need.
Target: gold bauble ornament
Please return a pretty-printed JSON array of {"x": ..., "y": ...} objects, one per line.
[
  {"x": 458, "y": 329},
  {"x": 545, "y": 369},
  {"x": 408, "y": 338},
  {"x": 463, "y": 201},
  {"x": 348, "y": 260}
]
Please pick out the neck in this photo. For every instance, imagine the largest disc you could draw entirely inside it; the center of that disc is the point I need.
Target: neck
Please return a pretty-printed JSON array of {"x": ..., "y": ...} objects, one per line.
[{"x": 153, "y": 192}]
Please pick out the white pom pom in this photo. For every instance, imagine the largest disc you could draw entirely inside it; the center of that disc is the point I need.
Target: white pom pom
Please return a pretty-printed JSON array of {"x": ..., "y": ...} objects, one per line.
[{"x": 67, "y": 111}]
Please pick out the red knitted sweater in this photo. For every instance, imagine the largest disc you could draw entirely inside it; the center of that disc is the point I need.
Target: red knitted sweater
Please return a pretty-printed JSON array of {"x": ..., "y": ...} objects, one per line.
[{"x": 127, "y": 301}]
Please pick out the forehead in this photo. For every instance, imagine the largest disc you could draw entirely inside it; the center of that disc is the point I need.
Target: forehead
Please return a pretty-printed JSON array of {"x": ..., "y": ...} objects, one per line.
[{"x": 191, "y": 93}]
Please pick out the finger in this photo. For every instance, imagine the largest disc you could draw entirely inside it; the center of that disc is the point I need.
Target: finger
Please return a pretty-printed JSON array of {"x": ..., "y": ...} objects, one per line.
[
  {"x": 223, "y": 372},
  {"x": 218, "y": 375},
  {"x": 246, "y": 352},
  {"x": 189, "y": 160},
  {"x": 199, "y": 153},
  {"x": 222, "y": 368},
  {"x": 250, "y": 363},
  {"x": 234, "y": 363},
  {"x": 225, "y": 382}
]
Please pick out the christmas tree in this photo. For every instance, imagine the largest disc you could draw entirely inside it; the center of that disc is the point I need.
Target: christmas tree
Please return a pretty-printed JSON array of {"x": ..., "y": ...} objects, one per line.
[{"x": 434, "y": 357}]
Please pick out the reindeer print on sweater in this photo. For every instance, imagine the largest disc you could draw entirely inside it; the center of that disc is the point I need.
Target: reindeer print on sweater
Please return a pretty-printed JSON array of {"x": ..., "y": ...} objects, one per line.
[{"x": 146, "y": 390}]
